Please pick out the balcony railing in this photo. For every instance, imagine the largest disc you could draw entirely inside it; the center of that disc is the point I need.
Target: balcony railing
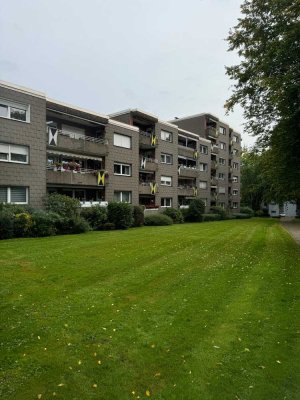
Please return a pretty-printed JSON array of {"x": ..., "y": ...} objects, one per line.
[
  {"x": 212, "y": 132},
  {"x": 215, "y": 149},
  {"x": 79, "y": 136},
  {"x": 214, "y": 165},
  {"x": 148, "y": 164},
  {"x": 190, "y": 172}
]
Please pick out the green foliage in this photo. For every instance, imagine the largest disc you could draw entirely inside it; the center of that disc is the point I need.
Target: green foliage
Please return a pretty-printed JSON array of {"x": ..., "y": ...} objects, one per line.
[
  {"x": 195, "y": 211},
  {"x": 174, "y": 214},
  {"x": 43, "y": 224},
  {"x": 158, "y": 220},
  {"x": 108, "y": 226},
  {"x": 247, "y": 210},
  {"x": 253, "y": 183},
  {"x": 259, "y": 213},
  {"x": 22, "y": 224},
  {"x": 211, "y": 217},
  {"x": 120, "y": 214},
  {"x": 15, "y": 208},
  {"x": 6, "y": 225},
  {"x": 75, "y": 224},
  {"x": 241, "y": 216},
  {"x": 96, "y": 216},
  {"x": 219, "y": 210},
  {"x": 63, "y": 205},
  {"x": 267, "y": 87},
  {"x": 138, "y": 216}
]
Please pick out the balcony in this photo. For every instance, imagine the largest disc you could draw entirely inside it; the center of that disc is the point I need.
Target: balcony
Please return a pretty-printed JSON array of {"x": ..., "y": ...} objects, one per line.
[
  {"x": 80, "y": 143},
  {"x": 84, "y": 177},
  {"x": 186, "y": 151},
  {"x": 214, "y": 165},
  {"x": 188, "y": 172},
  {"x": 148, "y": 164},
  {"x": 212, "y": 132},
  {"x": 213, "y": 182},
  {"x": 214, "y": 149},
  {"x": 147, "y": 140},
  {"x": 189, "y": 191},
  {"x": 146, "y": 187}
]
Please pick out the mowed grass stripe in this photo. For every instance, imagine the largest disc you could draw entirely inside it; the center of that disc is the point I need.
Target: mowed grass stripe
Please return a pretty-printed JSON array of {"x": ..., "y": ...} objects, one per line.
[{"x": 164, "y": 309}]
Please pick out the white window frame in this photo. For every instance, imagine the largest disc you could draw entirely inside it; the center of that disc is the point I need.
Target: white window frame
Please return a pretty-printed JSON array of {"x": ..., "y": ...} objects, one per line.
[
  {"x": 121, "y": 167},
  {"x": 202, "y": 186},
  {"x": 235, "y": 139},
  {"x": 163, "y": 158},
  {"x": 221, "y": 176},
  {"x": 235, "y": 165},
  {"x": 222, "y": 190},
  {"x": 122, "y": 140},
  {"x": 166, "y": 180},
  {"x": 234, "y": 205},
  {"x": 203, "y": 149},
  {"x": 235, "y": 192},
  {"x": 8, "y": 194},
  {"x": 10, "y": 104},
  {"x": 166, "y": 136},
  {"x": 222, "y": 130},
  {"x": 223, "y": 162},
  {"x": 203, "y": 167},
  {"x": 222, "y": 145},
  {"x": 121, "y": 196},
  {"x": 10, "y": 148},
  {"x": 166, "y": 200},
  {"x": 235, "y": 179}
]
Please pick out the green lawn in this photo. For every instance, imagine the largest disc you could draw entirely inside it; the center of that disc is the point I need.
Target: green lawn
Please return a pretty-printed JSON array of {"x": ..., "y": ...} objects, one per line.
[{"x": 196, "y": 311}]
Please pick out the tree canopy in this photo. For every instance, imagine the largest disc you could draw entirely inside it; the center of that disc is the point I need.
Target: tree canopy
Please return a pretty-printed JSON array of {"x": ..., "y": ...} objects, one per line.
[{"x": 267, "y": 86}]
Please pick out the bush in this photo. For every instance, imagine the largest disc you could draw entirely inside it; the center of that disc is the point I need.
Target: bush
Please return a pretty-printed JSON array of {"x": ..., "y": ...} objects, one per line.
[
  {"x": 211, "y": 217},
  {"x": 63, "y": 205},
  {"x": 43, "y": 224},
  {"x": 247, "y": 210},
  {"x": 174, "y": 214},
  {"x": 195, "y": 211},
  {"x": 16, "y": 208},
  {"x": 75, "y": 225},
  {"x": 6, "y": 225},
  {"x": 22, "y": 224},
  {"x": 158, "y": 220},
  {"x": 242, "y": 216},
  {"x": 219, "y": 210},
  {"x": 96, "y": 216},
  {"x": 259, "y": 213},
  {"x": 138, "y": 216},
  {"x": 108, "y": 226},
  {"x": 120, "y": 214}
]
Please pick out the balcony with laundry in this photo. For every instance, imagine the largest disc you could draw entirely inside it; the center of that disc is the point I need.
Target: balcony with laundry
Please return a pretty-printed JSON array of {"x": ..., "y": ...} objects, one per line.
[
  {"x": 187, "y": 147},
  {"x": 148, "y": 162},
  {"x": 187, "y": 167},
  {"x": 187, "y": 187},
  {"x": 147, "y": 183}
]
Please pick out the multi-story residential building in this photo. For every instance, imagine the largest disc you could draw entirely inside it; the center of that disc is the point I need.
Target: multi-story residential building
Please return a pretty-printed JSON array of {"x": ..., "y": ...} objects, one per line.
[{"x": 131, "y": 156}]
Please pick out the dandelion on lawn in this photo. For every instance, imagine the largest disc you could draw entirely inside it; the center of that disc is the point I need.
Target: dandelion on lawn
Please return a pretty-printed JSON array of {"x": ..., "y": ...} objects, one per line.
[
  {"x": 148, "y": 393},
  {"x": 261, "y": 366},
  {"x": 216, "y": 347},
  {"x": 66, "y": 325},
  {"x": 99, "y": 362},
  {"x": 95, "y": 385},
  {"x": 39, "y": 396},
  {"x": 61, "y": 384},
  {"x": 54, "y": 394},
  {"x": 95, "y": 354},
  {"x": 278, "y": 362},
  {"x": 152, "y": 345},
  {"x": 79, "y": 362},
  {"x": 39, "y": 337},
  {"x": 133, "y": 392},
  {"x": 69, "y": 344},
  {"x": 246, "y": 349}
]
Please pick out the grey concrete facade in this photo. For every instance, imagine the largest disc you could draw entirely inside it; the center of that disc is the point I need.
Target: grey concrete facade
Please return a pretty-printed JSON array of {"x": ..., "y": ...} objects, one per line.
[{"x": 127, "y": 156}]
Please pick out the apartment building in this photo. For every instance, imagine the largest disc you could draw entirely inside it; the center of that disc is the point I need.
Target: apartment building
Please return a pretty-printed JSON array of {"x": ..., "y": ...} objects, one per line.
[{"x": 130, "y": 156}]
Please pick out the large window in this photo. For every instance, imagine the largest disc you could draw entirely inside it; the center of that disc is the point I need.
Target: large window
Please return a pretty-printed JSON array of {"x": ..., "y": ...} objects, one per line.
[
  {"x": 122, "y": 169},
  {"x": 203, "y": 185},
  {"x": 122, "y": 197},
  {"x": 14, "y": 153},
  {"x": 235, "y": 192},
  {"x": 222, "y": 130},
  {"x": 203, "y": 149},
  {"x": 235, "y": 165},
  {"x": 14, "y": 194},
  {"x": 222, "y": 146},
  {"x": 235, "y": 139},
  {"x": 234, "y": 205},
  {"x": 16, "y": 111},
  {"x": 235, "y": 179},
  {"x": 166, "y": 158},
  {"x": 122, "y": 141},
  {"x": 203, "y": 167},
  {"x": 221, "y": 176},
  {"x": 222, "y": 161},
  {"x": 166, "y": 202},
  {"x": 166, "y": 136},
  {"x": 166, "y": 180}
]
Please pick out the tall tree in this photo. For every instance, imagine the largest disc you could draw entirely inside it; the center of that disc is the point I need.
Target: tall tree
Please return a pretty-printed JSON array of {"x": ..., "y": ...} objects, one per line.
[{"x": 267, "y": 85}]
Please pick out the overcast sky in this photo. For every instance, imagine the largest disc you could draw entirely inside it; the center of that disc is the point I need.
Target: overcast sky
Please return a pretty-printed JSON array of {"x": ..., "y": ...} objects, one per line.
[{"x": 163, "y": 56}]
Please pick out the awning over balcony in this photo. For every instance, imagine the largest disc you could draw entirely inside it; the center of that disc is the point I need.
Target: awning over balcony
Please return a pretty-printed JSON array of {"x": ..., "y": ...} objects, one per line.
[{"x": 63, "y": 153}]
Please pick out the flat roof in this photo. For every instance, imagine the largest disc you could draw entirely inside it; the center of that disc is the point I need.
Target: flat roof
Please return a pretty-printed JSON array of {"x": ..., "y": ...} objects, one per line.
[
  {"x": 137, "y": 112},
  {"x": 22, "y": 89}
]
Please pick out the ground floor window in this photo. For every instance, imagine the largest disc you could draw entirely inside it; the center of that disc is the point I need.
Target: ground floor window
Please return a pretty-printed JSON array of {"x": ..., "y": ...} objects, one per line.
[
  {"x": 122, "y": 197},
  {"x": 14, "y": 194},
  {"x": 166, "y": 202},
  {"x": 80, "y": 193},
  {"x": 234, "y": 205}
]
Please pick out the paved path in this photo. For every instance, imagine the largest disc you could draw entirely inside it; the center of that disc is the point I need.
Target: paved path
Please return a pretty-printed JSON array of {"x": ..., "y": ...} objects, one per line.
[{"x": 293, "y": 227}]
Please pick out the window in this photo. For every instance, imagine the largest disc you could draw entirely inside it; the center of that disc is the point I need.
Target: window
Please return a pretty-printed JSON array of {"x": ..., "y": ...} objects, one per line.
[
  {"x": 222, "y": 190},
  {"x": 203, "y": 149},
  {"x": 122, "y": 141},
  {"x": 235, "y": 165},
  {"x": 166, "y": 202},
  {"x": 234, "y": 205},
  {"x": 221, "y": 176},
  {"x": 235, "y": 179},
  {"x": 122, "y": 169},
  {"x": 235, "y": 139},
  {"x": 14, "y": 153},
  {"x": 203, "y": 185},
  {"x": 203, "y": 167},
  {"x": 222, "y": 146},
  {"x": 166, "y": 158},
  {"x": 166, "y": 136},
  {"x": 14, "y": 194},
  {"x": 222, "y": 130},
  {"x": 222, "y": 161},
  {"x": 166, "y": 180},
  {"x": 235, "y": 192},
  {"x": 16, "y": 111},
  {"x": 122, "y": 197},
  {"x": 204, "y": 201}
]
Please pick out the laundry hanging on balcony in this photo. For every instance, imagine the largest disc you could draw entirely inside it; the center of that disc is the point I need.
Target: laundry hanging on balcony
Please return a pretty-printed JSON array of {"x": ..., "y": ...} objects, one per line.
[
  {"x": 153, "y": 187},
  {"x": 195, "y": 191},
  {"x": 195, "y": 154},
  {"x": 53, "y": 132},
  {"x": 101, "y": 178},
  {"x": 143, "y": 162},
  {"x": 153, "y": 140}
]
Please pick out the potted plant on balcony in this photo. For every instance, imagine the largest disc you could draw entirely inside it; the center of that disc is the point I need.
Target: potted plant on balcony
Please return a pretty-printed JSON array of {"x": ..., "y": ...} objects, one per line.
[
  {"x": 74, "y": 166},
  {"x": 57, "y": 166}
]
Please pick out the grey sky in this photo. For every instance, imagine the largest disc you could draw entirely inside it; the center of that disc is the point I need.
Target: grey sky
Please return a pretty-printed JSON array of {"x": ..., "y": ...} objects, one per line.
[{"x": 164, "y": 56}]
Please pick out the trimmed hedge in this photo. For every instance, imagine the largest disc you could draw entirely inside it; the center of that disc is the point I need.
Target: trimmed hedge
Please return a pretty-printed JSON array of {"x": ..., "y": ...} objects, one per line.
[
  {"x": 96, "y": 216},
  {"x": 247, "y": 210},
  {"x": 242, "y": 216},
  {"x": 120, "y": 214},
  {"x": 22, "y": 224},
  {"x": 6, "y": 225},
  {"x": 211, "y": 217},
  {"x": 174, "y": 214},
  {"x": 219, "y": 210},
  {"x": 138, "y": 216},
  {"x": 158, "y": 220},
  {"x": 63, "y": 205}
]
